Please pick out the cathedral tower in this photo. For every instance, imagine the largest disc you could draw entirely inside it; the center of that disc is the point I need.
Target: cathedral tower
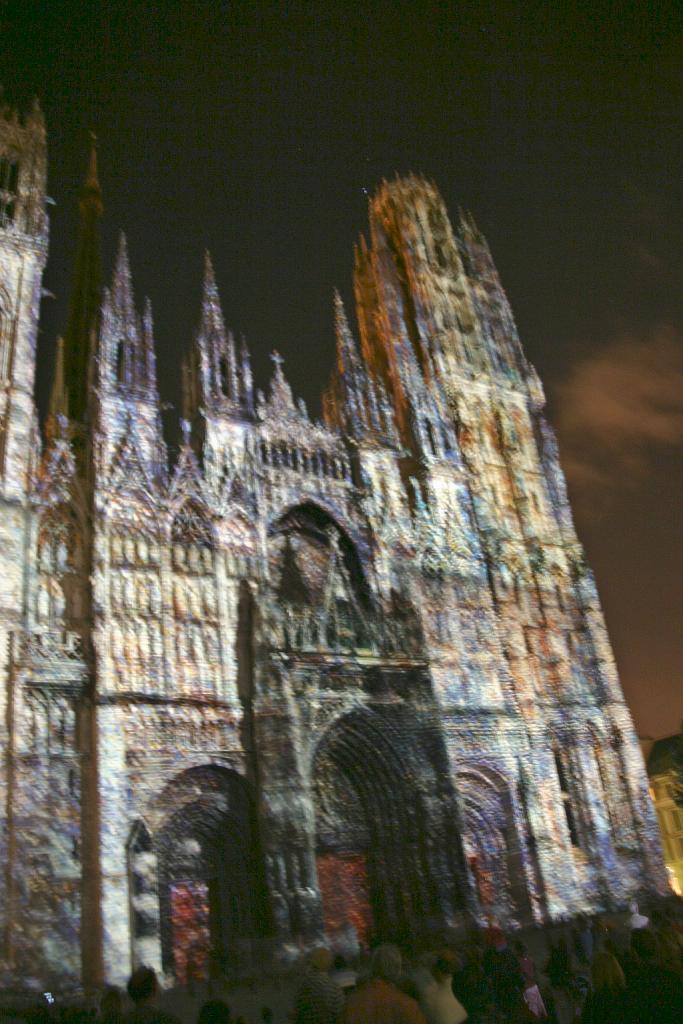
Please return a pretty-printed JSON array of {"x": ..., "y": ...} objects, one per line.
[{"x": 23, "y": 251}]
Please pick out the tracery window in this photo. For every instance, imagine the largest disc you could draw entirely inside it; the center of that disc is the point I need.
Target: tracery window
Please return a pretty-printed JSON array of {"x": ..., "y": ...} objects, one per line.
[
  {"x": 613, "y": 786},
  {"x": 135, "y": 606},
  {"x": 195, "y": 604},
  {"x": 567, "y": 799},
  {"x": 58, "y": 593}
]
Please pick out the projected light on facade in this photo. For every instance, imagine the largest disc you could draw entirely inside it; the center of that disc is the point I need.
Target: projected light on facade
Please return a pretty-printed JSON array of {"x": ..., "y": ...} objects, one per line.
[{"x": 345, "y": 678}]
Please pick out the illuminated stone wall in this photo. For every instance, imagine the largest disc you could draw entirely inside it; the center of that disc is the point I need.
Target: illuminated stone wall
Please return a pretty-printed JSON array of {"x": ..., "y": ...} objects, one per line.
[{"x": 363, "y": 656}]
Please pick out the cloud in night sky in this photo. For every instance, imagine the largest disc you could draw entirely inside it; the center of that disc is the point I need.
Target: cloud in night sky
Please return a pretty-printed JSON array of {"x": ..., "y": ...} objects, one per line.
[{"x": 617, "y": 408}]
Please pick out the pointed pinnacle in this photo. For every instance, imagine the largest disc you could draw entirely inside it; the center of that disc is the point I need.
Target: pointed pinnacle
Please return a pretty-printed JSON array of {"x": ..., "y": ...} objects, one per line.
[
  {"x": 339, "y": 311},
  {"x": 211, "y": 312},
  {"x": 122, "y": 288},
  {"x": 91, "y": 179},
  {"x": 148, "y": 339},
  {"x": 91, "y": 193},
  {"x": 36, "y": 115},
  {"x": 210, "y": 286},
  {"x": 58, "y": 401},
  {"x": 346, "y": 346}
]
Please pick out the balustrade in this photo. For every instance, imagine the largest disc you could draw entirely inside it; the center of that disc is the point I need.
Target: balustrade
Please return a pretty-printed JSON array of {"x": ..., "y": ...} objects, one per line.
[
  {"x": 309, "y": 630},
  {"x": 280, "y": 455}
]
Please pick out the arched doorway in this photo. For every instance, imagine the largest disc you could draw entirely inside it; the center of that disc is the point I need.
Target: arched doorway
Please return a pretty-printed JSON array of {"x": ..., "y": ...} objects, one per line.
[
  {"x": 209, "y": 881},
  {"x": 382, "y": 855},
  {"x": 491, "y": 844}
]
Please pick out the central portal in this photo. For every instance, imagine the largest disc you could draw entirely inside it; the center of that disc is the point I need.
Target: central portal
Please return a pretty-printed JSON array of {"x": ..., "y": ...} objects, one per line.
[{"x": 375, "y": 873}]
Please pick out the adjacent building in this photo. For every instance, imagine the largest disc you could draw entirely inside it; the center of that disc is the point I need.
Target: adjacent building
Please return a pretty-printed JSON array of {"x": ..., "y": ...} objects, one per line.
[{"x": 664, "y": 760}]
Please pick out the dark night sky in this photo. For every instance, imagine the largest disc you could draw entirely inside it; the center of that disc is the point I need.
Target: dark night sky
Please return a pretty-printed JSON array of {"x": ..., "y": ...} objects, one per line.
[{"x": 256, "y": 130}]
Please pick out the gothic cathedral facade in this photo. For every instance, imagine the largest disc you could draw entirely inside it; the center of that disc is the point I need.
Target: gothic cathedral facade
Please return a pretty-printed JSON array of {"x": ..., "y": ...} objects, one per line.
[{"x": 331, "y": 680}]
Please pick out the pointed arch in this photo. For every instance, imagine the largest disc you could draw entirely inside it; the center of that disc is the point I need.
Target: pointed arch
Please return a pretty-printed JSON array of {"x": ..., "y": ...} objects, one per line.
[
  {"x": 316, "y": 521},
  {"x": 606, "y": 751},
  {"x": 143, "y": 897},
  {"x": 59, "y": 562},
  {"x": 209, "y": 871},
  {"x": 491, "y": 842},
  {"x": 386, "y": 826}
]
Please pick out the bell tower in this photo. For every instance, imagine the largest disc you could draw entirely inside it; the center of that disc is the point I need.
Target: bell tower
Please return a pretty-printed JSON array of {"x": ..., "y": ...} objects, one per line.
[{"x": 23, "y": 252}]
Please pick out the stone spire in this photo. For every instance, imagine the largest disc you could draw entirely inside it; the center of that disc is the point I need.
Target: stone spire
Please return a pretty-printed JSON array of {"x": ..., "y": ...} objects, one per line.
[
  {"x": 347, "y": 353},
  {"x": 85, "y": 296},
  {"x": 354, "y": 401},
  {"x": 212, "y": 324},
  {"x": 122, "y": 284},
  {"x": 215, "y": 376},
  {"x": 59, "y": 399},
  {"x": 126, "y": 358}
]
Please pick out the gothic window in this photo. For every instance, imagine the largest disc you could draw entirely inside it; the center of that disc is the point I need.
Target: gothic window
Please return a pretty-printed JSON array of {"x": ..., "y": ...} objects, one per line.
[
  {"x": 224, "y": 376},
  {"x": 566, "y": 796},
  {"x": 613, "y": 787},
  {"x": 195, "y": 603},
  {"x": 431, "y": 438},
  {"x": 321, "y": 592},
  {"x": 135, "y": 605},
  {"x": 121, "y": 362},
  {"x": 9, "y": 183},
  {"x": 57, "y": 564}
]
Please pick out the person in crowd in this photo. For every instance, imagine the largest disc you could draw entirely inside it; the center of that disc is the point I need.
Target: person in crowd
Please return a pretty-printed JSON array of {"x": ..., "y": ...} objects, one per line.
[
  {"x": 214, "y": 1011},
  {"x": 670, "y": 948},
  {"x": 143, "y": 989},
  {"x": 532, "y": 993},
  {"x": 560, "y": 974},
  {"x": 606, "y": 1002},
  {"x": 379, "y": 1000},
  {"x": 584, "y": 943},
  {"x": 655, "y": 994},
  {"x": 320, "y": 999},
  {"x": 435, "y": 987},
  {"x": 470, "y": 984},
  {"x": 505, "y": 977},
  {"x": 111, "y": 1006},
  {"x": 343, "y": 973}
]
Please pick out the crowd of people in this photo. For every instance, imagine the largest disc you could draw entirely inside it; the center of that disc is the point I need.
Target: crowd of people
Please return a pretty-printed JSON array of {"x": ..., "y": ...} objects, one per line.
[{"x": 590, "y": 972}]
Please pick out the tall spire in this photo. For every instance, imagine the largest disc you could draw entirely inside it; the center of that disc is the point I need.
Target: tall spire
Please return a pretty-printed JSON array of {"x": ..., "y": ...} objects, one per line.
[
  {"x": 347, "y": 354},
  {"x": 58, "y": 396},
  {"x": 85, "y": 295},
  {"x": 212, "y": 322},
  {"x": 122, "y": 284}
]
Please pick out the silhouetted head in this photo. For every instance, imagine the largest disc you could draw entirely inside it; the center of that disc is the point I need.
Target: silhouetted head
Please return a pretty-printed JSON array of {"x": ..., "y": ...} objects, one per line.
[
  {"x": 606, "y": 972},
  {"x": 111, "y": 1003},
  {"x": 644, "y": 945},
  {"x": 445, "y": 965},
  {"x": 320, "y": 959},
  {"x": 214, "y": 1011},
  {"x": 142, "y": 985},
  {"x": 386, "y": 963}
]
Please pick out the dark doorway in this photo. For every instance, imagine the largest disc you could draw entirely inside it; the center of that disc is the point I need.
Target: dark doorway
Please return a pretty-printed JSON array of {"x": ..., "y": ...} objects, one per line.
[
  {"x": 210, "y": 889},
  {"x": 374, "y": 835}
]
